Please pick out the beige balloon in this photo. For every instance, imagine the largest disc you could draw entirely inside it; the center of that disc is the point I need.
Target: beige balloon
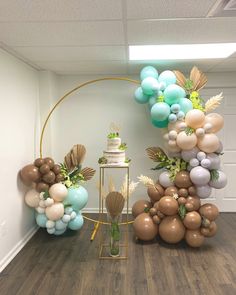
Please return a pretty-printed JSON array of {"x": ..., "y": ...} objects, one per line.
[
  {"x": 58, "y": 192},
  {"x": 186, "y": 142},
  {"x": 209, "y": 143},
  {"x": 195, "y": 119},
  {"x": 55, "y": 211},
  {"x": 175, "y": 126},
  {"x": 216, "y": 120},
  {"x": 32, "y": 198}
]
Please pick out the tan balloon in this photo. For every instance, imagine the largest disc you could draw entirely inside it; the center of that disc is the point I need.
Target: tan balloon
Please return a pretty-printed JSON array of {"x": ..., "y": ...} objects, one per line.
[
  {"x": 211, "y": 231},
  {"x": 168, "y": 205},
  {"x": 182, "y": 179},
  {"x": 209, "y": 143},
  {"x": 29, "y": 174},
  {"x": 195, "y": 201},
  {"x": 195, "y": 118},
  {"x": 194, "y": 238},
  {"x": 209, "y": 211},
  {"x": 140, "y": 206},
  {"x": 216, "y": 120},
  {"x": 55, "y": 211},
  {"x": 186, "y": 142},
  {"x": 175, "y": 126},
  {"x": 144, "y": 227},
  {"x": 32, "y": 198},
  {"x": 192, "y": 190},
  {"x": 58, "y": 192},
  {"x": 171, "y": 229},
  {"x": 183, "y": 192},
  {"x": 171, "y": 190},
  {"x": 155, "y": 193},
  {"x": 182, "y": 201},
  {"x": 192, "y": 220},
  {"x": 42, "y": 187}
]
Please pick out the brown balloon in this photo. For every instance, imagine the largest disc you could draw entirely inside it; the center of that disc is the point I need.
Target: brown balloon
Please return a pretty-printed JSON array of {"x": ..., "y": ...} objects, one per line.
[
  {"x": 39, "y": 162},
  {"x": 210, "y": 211},
  {"x": 192, "y": 190},
  {"x": 29, "y": 174},
  {"x": 160, "y": 214},
  {"x": 140, "y": 206},
  {"x": 153, "y": 211},
  {"x": 42, "y": 187},
  {"x": 49, "y": 177},
  {"x": 171, "y": 229},
  {"x": 170, "y": 191},
  {"x": 194, "y": 238},
  {"x": 183, "y": 192},
  {"x": 211, "y": 231},
  {"x": 49, "y": 161},
  {"x": 189, "y": 207},
  {"x": 205, "y": 222},
  {"x": 195, "y": 201},
  {"x": 155, "y": 193},
  {"x": 156, "y": 205},
  {"x": 168, "y": 205},
  {"x": 182, "y": 200},
  {"x": 144, "y": 227},
  {"x": 59, "y": 177},
  {"x": 192, "y": 220},
  {"x": 56, "y": 169},
  {"x": 156, "y": 219},
  {"x": 182, "y": 179},
  {"x": 44, "y": 168}
]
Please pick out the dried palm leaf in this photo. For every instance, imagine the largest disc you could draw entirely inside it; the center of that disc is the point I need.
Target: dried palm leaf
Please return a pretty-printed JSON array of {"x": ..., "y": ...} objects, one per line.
[
  {"x": 87, "y": 173},
  {"x": 202, "y": 82},
  {"x": 124, "y": 186},
  {"x": 181, "y": 80},
  {"x": 111, "y": 185},
  {"x": 195, "y": 75},
  {"x": 79, "y": 152},
  {"x": 154, "y": 153},
  {"x": 67, "y": 162},
  {"x": 213, "y": 102},
  {"x": 114, "y": 203},
  {"x": 147, "y": 181}
]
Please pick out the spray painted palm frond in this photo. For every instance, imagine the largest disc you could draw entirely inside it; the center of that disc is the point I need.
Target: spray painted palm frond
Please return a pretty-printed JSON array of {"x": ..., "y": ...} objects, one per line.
[
  {"x": 213, "y": 102},
  {"x": 147, "y": 181},
  {"x": 155, "y": 154},
  {"x": 87, "y": 173}
]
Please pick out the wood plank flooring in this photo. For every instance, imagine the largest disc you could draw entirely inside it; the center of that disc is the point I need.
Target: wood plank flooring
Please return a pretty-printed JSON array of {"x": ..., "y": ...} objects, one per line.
[{"x": 50, "y": 265}]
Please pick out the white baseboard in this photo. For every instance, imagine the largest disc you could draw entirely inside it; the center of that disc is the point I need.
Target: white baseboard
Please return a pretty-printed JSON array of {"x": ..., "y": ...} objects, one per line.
[{"x": 16, "y": 249}]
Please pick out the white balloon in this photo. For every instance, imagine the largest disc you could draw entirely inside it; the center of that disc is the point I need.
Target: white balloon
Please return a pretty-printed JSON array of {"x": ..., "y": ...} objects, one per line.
[
  {"x": 42, "y": 204},
  {"x": 66, "y": 218},
  {"x": 40, "y": 210},
  {"x": 201, "y": 156},
  {"x": 220, "y": 182},
  {"x": 49, "y": 202},
  {"x": 203, "y": 191},
  {"x": 173, "y": 135},
  {"x": 32, "y": 198},
  {"x": 50, "y": 224},
  {"x": 164, "y": 179},
  {"x": 215, "y": 161},
  {"x": 51, "y": 230},
  {"x": 182, "y": 126},
  {"x": 206, "y": 163},
  {"x": 200, "y": 132},
  {"x": 200, "y": 176},
  {"x": 73, "y": 215},
  {"x": 194, "y": 162},
  {"x": 190, "y": 154}
]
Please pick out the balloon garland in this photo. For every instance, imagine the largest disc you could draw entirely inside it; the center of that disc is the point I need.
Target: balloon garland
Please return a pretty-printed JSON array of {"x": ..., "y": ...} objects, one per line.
[{"x": 191, "y": 164}]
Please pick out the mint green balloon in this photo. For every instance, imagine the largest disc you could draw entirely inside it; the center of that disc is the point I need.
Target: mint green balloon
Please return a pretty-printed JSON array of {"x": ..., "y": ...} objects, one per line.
[
  {"x": 185, "y": 104},
  {"x": 168, "y": 77},
  {"x": 77, "y": 197},
  {"x": 160, "y": 111},
  {"x": 160, "y": 124},
  {"x": 148, "y": 85},
  {"x": 77, "y": 222},
  {"x": 173, "y": 93},
  {"x": 148, "y": 71},
  {"x": 41, "y": 220},
  {"x": 140, "y": 97},
  {"x": 152, "y": 100}
]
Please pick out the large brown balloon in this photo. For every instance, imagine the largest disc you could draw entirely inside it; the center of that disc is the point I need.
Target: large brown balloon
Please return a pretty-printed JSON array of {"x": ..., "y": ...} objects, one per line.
[
  {"x": 210, "y": 211},
  {"x": 171, "y": 190},
  {"x": 144, "y": 227},
  {"x": 42, "y": 187},
  {"x": 155, "y": 193},
  {"x": 192, "y": 220},
  {"x": 195, "y": 201},
  {"x": 211, "y": 231},
  {"x": 44, "y": 168},
  {"x": 140, "y": 206},
  {"x": 171, "y": 229},
  {"x": 168, "y": 205},
  {"x": 49, "y": 177},
  {"x": 56, "y": 169},
  {"x": 29, "y": 174},
  {"x": 182, "y": 179},
  {"x": 194, "y": 238},
  {"x": 49, "y": 162}
]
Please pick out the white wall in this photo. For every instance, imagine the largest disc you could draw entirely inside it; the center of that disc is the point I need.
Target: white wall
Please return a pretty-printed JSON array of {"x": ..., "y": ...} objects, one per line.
[{"x": 18, "y": 125}]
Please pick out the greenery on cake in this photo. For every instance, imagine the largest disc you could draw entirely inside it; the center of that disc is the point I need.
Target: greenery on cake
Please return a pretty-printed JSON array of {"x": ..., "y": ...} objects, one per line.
[
  {"x": 127, "y": 160},
  {"x": 102, "y": 160},
  {"x": 113, "y": 135},
  {"x": 123, "y": 146}
]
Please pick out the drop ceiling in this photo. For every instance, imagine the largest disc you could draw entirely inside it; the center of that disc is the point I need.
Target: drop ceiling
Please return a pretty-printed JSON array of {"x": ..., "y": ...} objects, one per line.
[{"x": 92, "y": 36}]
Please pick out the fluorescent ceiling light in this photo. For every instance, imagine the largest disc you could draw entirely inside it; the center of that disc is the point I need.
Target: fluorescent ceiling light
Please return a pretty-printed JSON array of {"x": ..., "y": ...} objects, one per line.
[{"x": 182, "y": 51}]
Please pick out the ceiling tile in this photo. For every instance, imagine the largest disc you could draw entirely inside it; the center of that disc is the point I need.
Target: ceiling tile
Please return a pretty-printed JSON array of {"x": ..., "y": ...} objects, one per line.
[
  {"x": 86, "y": 67},
  {"x": 182, "y": 31},
  {"x": 228, "y": 65},
  {"x": 73, "y": 53},
  {"x": 161, "y": 9},
  {"x": 59, "y": 10},
  {"x": 62, "y": 34}
]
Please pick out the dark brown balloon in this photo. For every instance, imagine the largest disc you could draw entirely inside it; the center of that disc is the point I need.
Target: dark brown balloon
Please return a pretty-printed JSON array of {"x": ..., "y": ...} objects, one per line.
[
  {"x": 170, "y": 191},
  {"x": 153, "y": 211},
  {"x": 210, "y": 211},
  {"x": 211, "y": 231},
  {"x": 49, "y": 177},
  {"x": 44, "y": 169},
  {"x": 155, "y": 193},
  {"x": 189, "y": 207},
  {"x": 59, "y": 177},
  {"x": 183, "y": 192},
  {"x": 171, "y": 229},
  {"x": 42, "y": 187},
  {"x": 39, "y": 162},
  {"x": 140, "y": 207},
  {"x": 56, "y": 169},
  {"x": 144, "y": 227},
  {"x": 29, "y": 174},
  {"x": 182, "y": 179},
  {"x": 195, "y": 201},
  {"x": 49, "y": 161},
  {"x": 182, "y": 200},
  {"x": 192, "y": 220},
  {"x": 192, "y": 190},
  {"x": 194, "y": 238},
  {"x": 168, "y": 205},
  {"x": 156, "y": 219}
]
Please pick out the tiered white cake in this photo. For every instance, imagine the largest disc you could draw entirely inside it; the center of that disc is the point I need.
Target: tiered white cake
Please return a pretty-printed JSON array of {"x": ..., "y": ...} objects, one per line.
[{"x": 113, "y": 154}]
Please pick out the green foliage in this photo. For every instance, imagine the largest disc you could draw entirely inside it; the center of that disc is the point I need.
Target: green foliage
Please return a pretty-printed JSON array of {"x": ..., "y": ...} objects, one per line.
[
  {"x": 182, "y": 211},
  {"x": 102, "y": 160},
  {"x": 214, "y": 175},
  {"x": 46, "y": 195},
  {"x": 115, "y": 238},
  {"x": 188, "y": 86},
  {"x": 71, "y": 179},
  {"x": 189, "y": 130},
  {"x": 127, "y": 160},
  {"x": 113, "y": 135},
  {"x": 160, "y": 98},
  {"x": 197, "y": 101},
  {"x": 123, "y": 146},
  {"x": 146, "y": 210}
]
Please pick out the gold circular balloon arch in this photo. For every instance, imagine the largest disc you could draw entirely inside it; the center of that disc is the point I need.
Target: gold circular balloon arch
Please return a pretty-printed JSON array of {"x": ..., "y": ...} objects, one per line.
[{"x": 97, "y": 222}]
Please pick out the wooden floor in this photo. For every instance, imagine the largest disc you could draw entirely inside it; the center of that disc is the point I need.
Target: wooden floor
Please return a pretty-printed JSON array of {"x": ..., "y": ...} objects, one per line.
[{"x": 69, "y": 265}]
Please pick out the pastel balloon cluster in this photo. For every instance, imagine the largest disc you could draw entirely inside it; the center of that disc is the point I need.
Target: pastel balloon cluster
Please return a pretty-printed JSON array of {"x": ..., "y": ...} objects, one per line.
[
  {"x": 59, "y": 209},
  {"x": 167, "y": 100}
]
